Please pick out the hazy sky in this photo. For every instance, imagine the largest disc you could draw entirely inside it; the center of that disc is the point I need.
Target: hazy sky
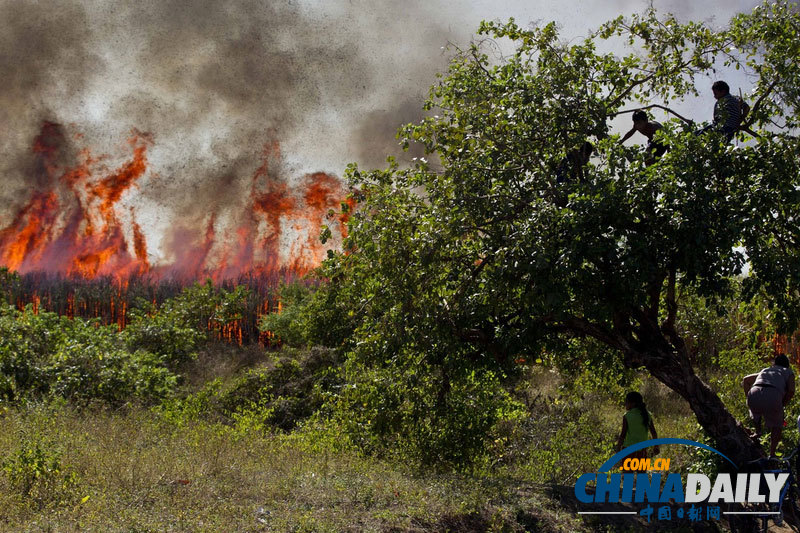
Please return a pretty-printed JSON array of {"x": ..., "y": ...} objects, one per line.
[{"x": 213, "y": 81}]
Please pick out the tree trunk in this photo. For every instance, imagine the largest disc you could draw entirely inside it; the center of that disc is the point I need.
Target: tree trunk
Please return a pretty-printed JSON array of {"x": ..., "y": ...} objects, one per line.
[{"x": 729, "y": 436}]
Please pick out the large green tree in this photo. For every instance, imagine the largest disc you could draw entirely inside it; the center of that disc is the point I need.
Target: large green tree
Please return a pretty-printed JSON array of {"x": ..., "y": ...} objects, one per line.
[{"x": 480, "y": 257}]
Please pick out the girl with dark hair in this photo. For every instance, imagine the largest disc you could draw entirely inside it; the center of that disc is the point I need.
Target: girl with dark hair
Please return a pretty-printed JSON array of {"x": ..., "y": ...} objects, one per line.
[{"x": 635, "y": 424}]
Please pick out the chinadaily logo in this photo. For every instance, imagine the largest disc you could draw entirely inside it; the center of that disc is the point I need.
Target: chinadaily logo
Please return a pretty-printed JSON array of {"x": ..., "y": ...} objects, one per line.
[{"x": 650, "y": 490}]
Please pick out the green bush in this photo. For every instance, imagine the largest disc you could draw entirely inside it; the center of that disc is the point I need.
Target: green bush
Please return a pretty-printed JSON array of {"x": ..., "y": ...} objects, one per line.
[
  {"x": 429, "y": 408},
  {"x": 46, "y": 355},
  {"x": 565, "y": 439},
  {"x": 292, "y": 390},
  {"x": 202, "y": 404},
  {"x": 290, "y": 325},
  {"x": 180, "y": 326},
  {"x": 278, "y": 396},
  {"x": 312, "y": 315},
  {"x": 429, "y": 419},
  {"x": 27, "y": 342},
  {"x": 35, "y": 471}
]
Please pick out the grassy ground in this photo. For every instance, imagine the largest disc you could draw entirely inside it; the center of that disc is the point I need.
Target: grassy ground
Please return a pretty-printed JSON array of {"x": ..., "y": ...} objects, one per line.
[
  {"x": 136, "y": 470},
  {"x": 131, "y": 472}
]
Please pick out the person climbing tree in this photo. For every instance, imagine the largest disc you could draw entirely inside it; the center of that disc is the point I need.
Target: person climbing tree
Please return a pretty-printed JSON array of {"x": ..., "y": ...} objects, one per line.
[
  {"x": 572, "y": 164},
  {"x": 729, "y": 111},
  {"x": 648, "y": 128}
]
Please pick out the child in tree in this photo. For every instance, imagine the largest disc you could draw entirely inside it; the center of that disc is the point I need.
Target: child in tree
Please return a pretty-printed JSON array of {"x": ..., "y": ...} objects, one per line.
[
  {"x": 635, "y": 424},
  {"x": 648, "y": 128}
]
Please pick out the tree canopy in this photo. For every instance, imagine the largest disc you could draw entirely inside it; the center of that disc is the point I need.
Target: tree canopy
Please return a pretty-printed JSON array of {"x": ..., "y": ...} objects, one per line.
[{"x": 483, "y": 256}]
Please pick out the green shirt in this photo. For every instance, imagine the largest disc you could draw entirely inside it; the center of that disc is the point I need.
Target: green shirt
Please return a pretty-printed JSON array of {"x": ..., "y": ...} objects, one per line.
[{"x": 637, "y": 430}]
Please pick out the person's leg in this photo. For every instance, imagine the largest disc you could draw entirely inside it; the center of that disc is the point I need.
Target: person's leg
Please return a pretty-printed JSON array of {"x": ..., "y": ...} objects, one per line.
[
  {"x": 755, "y": 411},
  {"x": 757, "y": 425},
  {"x": 773, "y": 418},
  {"x": 774, "y": 439}
]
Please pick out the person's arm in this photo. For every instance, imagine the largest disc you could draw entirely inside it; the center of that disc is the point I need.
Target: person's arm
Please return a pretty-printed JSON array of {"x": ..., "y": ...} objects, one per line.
[
  {"x": 627, "y": 135},
  {"x": 747, "y": 382},
  {"x": 718, "y": 120},
  {"x": 787, "y": 397},
  {"x": 621, "y": 438},
  {"x": 654, "y": 434}
]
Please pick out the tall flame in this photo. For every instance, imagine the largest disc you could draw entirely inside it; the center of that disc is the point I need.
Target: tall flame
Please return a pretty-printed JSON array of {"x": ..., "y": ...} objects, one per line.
[{"x": 76, "y": 226}]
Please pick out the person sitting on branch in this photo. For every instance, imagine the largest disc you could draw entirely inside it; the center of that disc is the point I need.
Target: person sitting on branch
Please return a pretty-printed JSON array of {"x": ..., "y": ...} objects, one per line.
[{"x": 729, "y": 111}]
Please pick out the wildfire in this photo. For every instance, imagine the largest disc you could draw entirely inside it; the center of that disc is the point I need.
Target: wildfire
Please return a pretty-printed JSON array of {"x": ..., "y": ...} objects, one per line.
[
  {"x": 28, "y": 232},
  {"x": 76, "y": 225},
  {"x": 72, "y": 227}
]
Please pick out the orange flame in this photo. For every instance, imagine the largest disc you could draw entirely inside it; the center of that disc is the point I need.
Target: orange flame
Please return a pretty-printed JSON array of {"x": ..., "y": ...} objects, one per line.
[
  {"x": 82, "y": 237},
  {"x": 28, "y": 233},
  {"x": 74, "y": 226}
]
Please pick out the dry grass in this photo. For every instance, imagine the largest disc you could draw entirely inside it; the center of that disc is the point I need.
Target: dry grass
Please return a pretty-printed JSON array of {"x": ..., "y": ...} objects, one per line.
[{"x": 136, "y": 473}]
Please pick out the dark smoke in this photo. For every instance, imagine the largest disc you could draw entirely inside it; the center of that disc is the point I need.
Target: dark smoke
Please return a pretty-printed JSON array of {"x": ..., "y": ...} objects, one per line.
[
  {"x": 43, "y": 59},
  {"x": 212, "y": 81}
]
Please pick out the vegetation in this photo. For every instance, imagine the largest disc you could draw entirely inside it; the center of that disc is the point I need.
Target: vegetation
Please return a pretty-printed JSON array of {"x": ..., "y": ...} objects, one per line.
[
  {"x": 256, "y": 440},
  {"x": 44, "y": 355},
  {"x": 456, "y": 269},
  {"x": 465, "y": 356},
  {"x": 115, "y": 301}
]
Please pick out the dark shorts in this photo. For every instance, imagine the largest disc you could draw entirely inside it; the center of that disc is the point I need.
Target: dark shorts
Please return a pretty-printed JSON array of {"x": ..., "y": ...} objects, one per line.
[
  {"x": 766, "y": 403},
  {"x": 656, "y": 149}
]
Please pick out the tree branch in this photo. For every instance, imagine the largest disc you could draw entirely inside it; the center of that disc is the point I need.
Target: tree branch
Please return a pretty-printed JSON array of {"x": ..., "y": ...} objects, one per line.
[
  {"x": 627, "y": 91},
  {"x": 582, "y": 327},
  {"x": 751, "y": 132},
  {"x": 474, "y": 54},
  {"x": 668, "y": 110},
  {"x": 482, "y": 338},
  {"x": 748, "y": 123},
  {"x": 672, "y": 306},
  {"x": 654, "y": 294},
  {"x": 678, "y": 68}
]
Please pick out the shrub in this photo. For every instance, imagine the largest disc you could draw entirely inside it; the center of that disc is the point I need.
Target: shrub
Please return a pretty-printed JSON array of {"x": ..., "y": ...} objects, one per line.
[
  {"x": 36, "y": 472},
  {"x": 176, "y": 330},
  {"x": 202, "y": 404},
  {"x": 291, "y": 390},
  {"x": 565, "y": 439},
  {"x": 425, "y": 417},
  {"x": 279, "y": 396},
  {"x": 47, "y": 355},
  {"x": 311, "y": 316},
  {"x": 290, "y": 326}
]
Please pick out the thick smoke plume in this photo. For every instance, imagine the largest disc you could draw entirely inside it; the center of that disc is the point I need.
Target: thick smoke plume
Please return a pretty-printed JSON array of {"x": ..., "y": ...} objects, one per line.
[
  {"x": 212, "y": 83},
  {"x": 219, "y": 89}
]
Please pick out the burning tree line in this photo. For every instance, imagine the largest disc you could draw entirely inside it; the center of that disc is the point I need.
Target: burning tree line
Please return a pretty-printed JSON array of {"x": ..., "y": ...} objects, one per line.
[
  {"x": 80, "y": 250},
  {"x": 113, "y": 301},
  {"x": 76, "y": 221}
]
